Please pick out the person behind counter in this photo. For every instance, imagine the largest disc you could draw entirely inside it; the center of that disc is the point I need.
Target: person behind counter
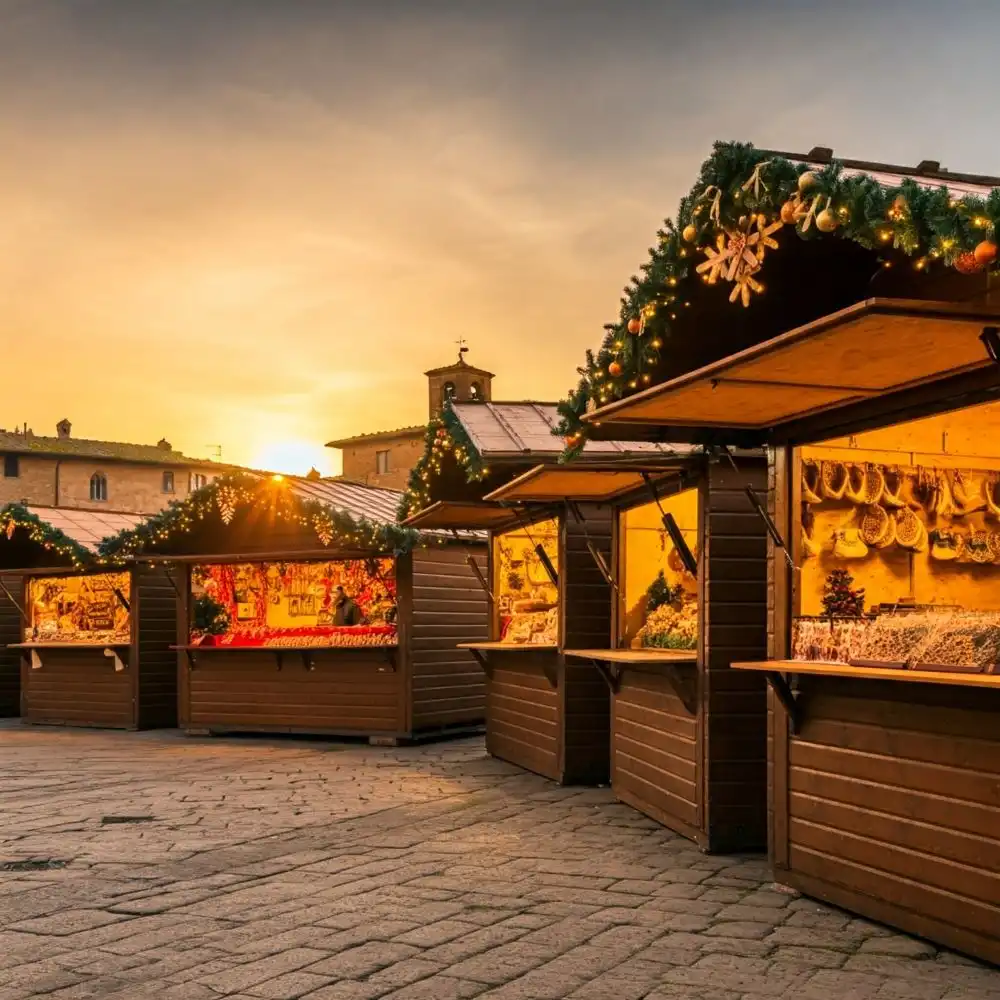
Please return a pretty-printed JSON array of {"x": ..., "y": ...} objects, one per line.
[{"x": 346, "y": 612}]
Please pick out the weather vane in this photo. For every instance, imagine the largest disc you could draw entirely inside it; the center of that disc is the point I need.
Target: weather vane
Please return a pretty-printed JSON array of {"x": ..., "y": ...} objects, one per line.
[{"x": 462, "y": 347}]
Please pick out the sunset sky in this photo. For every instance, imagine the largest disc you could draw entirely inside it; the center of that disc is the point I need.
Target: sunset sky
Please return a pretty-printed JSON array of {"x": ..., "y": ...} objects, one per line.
[{"x": 254, "y": 223}]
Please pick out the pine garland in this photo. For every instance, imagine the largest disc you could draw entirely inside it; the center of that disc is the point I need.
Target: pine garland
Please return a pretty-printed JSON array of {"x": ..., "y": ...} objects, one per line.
[
  {"x": 445, "y": 435},
  {"x": 16, "y": 516},
  {"x": 739, "y": 184},
  {"x": 227, "y": 495}
]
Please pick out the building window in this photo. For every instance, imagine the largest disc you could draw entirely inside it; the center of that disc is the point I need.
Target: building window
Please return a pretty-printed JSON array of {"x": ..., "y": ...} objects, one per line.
[
  {"x": 475, "y": 391},
  {"x": 11, "y": 467},
  {"x": 198, "y": 480},
  {"x": 99, "y": 487},
  {"x": 168, "y": 482},
  {"x": 448, "y": 391},
  {"x": 381, "y": 462}
]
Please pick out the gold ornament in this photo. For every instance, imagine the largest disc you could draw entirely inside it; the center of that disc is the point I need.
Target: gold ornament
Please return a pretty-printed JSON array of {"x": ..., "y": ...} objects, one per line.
[
  {"x": 690, "y": 233},
  {"x": 826, "y": 221},
  {"x": 808, "y": 180},
  {"x": 225, "y": 500}
]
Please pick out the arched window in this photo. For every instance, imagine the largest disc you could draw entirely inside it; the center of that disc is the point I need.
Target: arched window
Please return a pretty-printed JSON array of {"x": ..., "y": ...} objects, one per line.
[
  {"x": 98, "y": 486},
  {"x": 448, "y": 391},
  {"x": 475, "y": 392}
]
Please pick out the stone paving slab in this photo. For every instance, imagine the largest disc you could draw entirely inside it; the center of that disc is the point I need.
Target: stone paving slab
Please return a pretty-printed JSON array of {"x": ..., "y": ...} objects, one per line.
[{"x": 274, "y": 870}]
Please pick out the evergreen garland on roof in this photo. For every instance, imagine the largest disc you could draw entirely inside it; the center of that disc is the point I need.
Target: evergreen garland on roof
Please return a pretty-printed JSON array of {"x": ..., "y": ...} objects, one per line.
[
  {"x": 16, "y": 516},
  {"x": 742, "y": 199},
  {"x": 242, "y": 491}
]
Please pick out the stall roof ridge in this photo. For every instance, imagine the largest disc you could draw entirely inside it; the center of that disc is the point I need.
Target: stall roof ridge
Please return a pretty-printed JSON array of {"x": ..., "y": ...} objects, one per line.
[{"x": 516, "y": 430}]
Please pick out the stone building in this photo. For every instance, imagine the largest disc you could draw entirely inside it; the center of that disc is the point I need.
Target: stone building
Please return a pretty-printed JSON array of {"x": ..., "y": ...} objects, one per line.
[
  {"x": 76, "y": 473},
  {"x": 385, "y": 458}
]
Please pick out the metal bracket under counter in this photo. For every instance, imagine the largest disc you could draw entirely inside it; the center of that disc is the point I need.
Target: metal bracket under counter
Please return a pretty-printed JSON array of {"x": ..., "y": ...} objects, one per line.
[
  {"x": 36, "y": 650},
  {"x": 480, "y": 649},
  {"x": 612, "y": 663}
]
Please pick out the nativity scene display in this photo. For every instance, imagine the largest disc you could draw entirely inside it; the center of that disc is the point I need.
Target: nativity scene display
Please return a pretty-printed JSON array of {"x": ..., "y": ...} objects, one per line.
[
  {"x": 899, "y": 547},
  {"x": 79, "y": 610},
  {"x": 660, "y": 594},
  {"x": 344, "y": 602},
  {"x": 526, "y": 570}
]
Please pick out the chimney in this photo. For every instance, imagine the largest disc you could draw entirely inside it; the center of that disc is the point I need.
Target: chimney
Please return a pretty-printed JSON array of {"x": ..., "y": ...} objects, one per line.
[
  {"x": 63, "y": 428},
  {"x": 164, "y": 445}
]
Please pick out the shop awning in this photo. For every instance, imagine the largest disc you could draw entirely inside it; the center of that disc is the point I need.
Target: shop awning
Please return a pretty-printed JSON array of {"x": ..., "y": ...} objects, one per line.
[
  {"x": 453, "y": 515},
  {"x": 555, "y": 483},
  {"x": 872, "y": 349}
]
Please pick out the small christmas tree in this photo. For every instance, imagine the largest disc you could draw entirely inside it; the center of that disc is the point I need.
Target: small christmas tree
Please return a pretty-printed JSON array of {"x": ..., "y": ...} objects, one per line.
[
  {"x": 210, "y": 617},
  {"x": 660, "y": 592},
  {"x": 840, "y": 598}
]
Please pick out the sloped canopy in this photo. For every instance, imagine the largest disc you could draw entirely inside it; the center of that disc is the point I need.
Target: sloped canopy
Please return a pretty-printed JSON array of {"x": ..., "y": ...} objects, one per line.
[
  {"x": 867, "y": 351},
  {"x": 451, "y": 515},
  {"x": 554, "y": 483}
]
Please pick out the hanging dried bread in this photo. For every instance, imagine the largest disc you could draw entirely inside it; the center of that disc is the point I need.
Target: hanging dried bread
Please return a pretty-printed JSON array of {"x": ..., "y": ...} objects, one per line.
[
  {"x": 893, "y": 483},
  {"x": 811, "y": 481},
  {"x": 856, "y": 488},
  {"x": 875, "y": 524},
  {"x": 834, "y": 480},
  {"x": 848, "y": 544},
  {"x": 910, "y": 531},
  {"x": 991, "y": 489},
  {"x": 967, "y": 493}
]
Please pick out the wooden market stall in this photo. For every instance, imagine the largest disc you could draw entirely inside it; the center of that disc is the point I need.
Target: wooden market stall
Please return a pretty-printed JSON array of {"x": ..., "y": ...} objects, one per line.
[
  {"x": 303, "y": 608},
  {"x": 876, "y": 388},
  {"x": 85, "y": 643},
  {"x": 688, "y": 734},
  {"x": 547, "y": 583}
]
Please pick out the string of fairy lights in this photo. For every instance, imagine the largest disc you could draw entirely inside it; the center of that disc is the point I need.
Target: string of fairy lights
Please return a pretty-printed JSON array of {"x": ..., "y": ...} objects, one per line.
[{"x": 16, "y": 517}]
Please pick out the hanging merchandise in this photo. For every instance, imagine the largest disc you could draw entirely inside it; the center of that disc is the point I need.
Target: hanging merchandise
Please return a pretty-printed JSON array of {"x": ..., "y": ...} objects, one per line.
[
  {"x": 968, "y": 497},
  {"x": 946, "y": 545},
  {"x": 809, "y": 546},
  {"x": 991, "y": 494},
  {"x": 834, "y": 479},
  {"x": 856, "y": 488},
  {"x": 977, "y": 547},
  {"x": 811, "y": 481},
  {"x": 875, "y": 526},
  {"x": 874, "y": 483},
  {"x": 849, "y": 545},
  {"x": 893, "y": 483},
  {"x": 910, "y": 530},
  {"x": 944, "y": 505},
  {"x": 888, "y": 539}
]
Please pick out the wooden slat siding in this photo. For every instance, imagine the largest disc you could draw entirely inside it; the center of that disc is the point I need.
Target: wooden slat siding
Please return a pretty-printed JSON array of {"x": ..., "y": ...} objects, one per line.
[
  {"x": 734, "y": 705},
  {"x": 586, "y": 612},
  {"x": 447, "y": 686},
  {"x": 76, "y": 687},
  {"x": 154, "y": 615},
  {"x": 523, "y": 716},
  {"x": 894, "y": 807},
  {"x": 345, "y": 694},
  {"x": 654, "y": 740},
  {"x": 11, "y": 630}
]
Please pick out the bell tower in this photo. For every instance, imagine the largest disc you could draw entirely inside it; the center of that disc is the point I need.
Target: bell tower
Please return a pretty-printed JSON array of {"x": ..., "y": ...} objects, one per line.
[{"x": 459, "y": 381}]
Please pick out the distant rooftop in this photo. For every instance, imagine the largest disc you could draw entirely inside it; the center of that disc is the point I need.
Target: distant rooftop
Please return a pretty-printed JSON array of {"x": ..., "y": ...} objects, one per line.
[
  {"x": 415, "y": 429},
  {"x": 24, "y": 441}
]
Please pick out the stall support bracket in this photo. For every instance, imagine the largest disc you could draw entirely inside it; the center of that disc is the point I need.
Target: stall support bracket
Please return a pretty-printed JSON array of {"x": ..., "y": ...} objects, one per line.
[
  {"x": 483, "y": 662},
  {"x": 788, "y": 699},
  {"x": 611, "y": 676},
  {"x": 189, "y": 653},
  {"x": 551, "y": 672},
  {"x": 36, "y": 660},
  {"x": 682, "y": 689},
  {"x": 307, "y": 661},
  {"x": 118, "y": 662},
  {"x": 390, "y": 660}
]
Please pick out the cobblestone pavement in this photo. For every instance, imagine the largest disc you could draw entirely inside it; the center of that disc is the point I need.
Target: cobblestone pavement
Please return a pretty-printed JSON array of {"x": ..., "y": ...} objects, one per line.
[{"x": 275, "y": 870}]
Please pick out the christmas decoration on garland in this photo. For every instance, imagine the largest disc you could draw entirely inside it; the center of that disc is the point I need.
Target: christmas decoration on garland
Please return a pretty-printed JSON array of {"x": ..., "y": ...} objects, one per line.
[
  {"x": 16, "y": 516},
  {"x": 745, "y": 200},
  {"x": 228, "y": 495},
  {"x": 840, "y": 598},
  {"x": 445, "y": 436}
]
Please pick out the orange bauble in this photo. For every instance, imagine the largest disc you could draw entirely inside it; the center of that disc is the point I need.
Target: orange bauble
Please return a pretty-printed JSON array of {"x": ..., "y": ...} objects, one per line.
[
  {"x": 788, "y": 212},
  {"x": 634, "y": 326},
  {"x": 967, "y": 263},
  {"x": 986, "y": 252},
  {"x": 614, "y": 369}
]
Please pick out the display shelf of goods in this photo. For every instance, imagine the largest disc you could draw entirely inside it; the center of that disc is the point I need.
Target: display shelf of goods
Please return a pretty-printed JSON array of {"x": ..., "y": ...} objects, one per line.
[
  {"x": 527, "y": 597},
  {"x": 964, "y": 641},
  {"x": 826, "y": 639},
  {"x": 79, "y": 610},
  {"x": 672, "y": 625},
  {"x": 292, "y": 605}
]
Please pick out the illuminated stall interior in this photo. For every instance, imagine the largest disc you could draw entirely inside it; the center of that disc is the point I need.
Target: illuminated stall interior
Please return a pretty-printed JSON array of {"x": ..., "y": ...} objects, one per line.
[
  {"x": 525, "y": 583},
  {"x": 306, "y": 608}
]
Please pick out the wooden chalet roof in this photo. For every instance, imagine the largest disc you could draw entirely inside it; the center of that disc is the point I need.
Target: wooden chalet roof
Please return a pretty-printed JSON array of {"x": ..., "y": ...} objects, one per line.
[
  {"x": 86, "y": 527},
  {"x": 357, "y": 499}
]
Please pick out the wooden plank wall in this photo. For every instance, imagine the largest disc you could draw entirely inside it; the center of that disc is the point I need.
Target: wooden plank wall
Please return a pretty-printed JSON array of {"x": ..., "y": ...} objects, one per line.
[
  {"x": 523, "y": 713},
  {"x": 894, "y": 807},
  {"x": 586, "y": 610},
  {"x": 449, "y": 607},
  {"x": 77, "y": 687},
  {"x": 734, "y": 703},
  {"x": 346, "y": 694},
  {"x": 154, "y": 616},
  {"x": 10, "y": 660}
]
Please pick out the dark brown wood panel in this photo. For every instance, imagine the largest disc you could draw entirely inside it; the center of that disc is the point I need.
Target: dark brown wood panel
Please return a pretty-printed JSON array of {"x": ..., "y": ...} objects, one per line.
[
  {"x": 346, "y": 693},
  {"x": 154, "y": 612},
  {"x": 523, "y": 712},
  {"x": 586, "y": 622},
  {"x": 77, "y": 687},
  {"x": 449, "y": 607},
  {"x": 654, "y": 764},
  {"x": 734, "y": 705},
  {"x": 893, "y": 799},
  {"x": 10, "y": 660}
]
